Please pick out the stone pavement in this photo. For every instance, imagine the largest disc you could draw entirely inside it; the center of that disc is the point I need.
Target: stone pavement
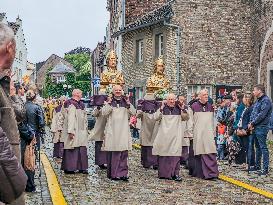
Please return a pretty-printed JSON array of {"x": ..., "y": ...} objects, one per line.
[{"x": 145, "y": 188}]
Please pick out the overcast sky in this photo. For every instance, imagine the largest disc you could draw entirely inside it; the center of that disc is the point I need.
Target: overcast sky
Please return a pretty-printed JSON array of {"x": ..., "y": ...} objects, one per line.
[{"x": 58, "y": 26}]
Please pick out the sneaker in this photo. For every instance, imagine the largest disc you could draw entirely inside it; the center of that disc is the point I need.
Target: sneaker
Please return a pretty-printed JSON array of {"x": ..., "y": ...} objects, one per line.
[
  {"x": 263, "y": 173},
  {"x": 177, "y": 178},
  {"x": 253, "y": 169}
]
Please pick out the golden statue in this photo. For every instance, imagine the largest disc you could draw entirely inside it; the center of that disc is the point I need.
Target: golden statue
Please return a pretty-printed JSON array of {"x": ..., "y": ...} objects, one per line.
[
  {"x": 111, "y": 76},
  {"x": 158, "y": 80}
]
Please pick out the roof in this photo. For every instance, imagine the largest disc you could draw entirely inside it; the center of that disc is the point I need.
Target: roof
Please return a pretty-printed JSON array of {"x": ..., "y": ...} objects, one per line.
[
  {"x": 39, "y": 65},
  {"x": 158, "y": 15},
  {"x": 62, "y": 68},
  {"x": 14, "y": 26}
]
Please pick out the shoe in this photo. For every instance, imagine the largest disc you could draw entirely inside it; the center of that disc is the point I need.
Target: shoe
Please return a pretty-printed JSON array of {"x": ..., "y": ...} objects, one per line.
[
  {"x": 263, "y": 173},
  {"x": 103, "y": 166},
  {"x": 177, "y": 178},
  {"x": 253, "y": 169},
  {"x": 126, "y": 179},
  {"x": 165, "y": 178},
  {"x": 69, "y": 172},
  {"x": 155, "y": 167},
  {"x": 115, "y": 179},
  {"x": 83, "y": 171}
]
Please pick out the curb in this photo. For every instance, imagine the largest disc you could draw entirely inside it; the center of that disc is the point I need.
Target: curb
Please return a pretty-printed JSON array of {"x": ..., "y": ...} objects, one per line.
[
  {"x": 235, "y": 182},
  {"x": 55, "y": 190}
]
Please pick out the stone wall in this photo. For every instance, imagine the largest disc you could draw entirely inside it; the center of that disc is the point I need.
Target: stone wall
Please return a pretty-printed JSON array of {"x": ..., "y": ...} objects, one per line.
[
  {"x": 137, "y": 8},
  {"x": 216, "y": 45},
  {"x": 216, "y": 40}
]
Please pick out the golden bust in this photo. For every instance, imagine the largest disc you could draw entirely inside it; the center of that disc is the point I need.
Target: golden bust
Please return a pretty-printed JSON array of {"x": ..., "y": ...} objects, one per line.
[
  {"x": 111, "y": 76},
  {"x": 158, "y": 80}
]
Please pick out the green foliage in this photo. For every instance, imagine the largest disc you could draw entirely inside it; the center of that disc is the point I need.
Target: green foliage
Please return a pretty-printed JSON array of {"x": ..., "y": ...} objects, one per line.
[
  {"x": 77, "y": 60},
  {"x": 81, "y": 80}
]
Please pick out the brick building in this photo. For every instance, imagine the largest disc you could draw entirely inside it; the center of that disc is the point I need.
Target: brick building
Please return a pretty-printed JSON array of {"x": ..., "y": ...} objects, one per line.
[
  {"x": 263, "y": 42},
  {"x": 204, "y": 43}
]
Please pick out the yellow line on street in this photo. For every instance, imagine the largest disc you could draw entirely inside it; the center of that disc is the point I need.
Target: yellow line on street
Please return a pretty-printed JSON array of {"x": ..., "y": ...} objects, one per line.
[
  {"x": 56, "y": 193},
  {"x": 246, "y": 186},
  {"x": 235, "y": 182}
]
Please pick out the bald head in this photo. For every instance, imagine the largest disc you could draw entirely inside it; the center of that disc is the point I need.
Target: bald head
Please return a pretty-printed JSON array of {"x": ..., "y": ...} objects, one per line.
[
  {"x": 171, "y": 98},
  {"x": 117, "y": 91},
  {"x": 204, "y": 96},
  {"x": 77, "y": 94}
]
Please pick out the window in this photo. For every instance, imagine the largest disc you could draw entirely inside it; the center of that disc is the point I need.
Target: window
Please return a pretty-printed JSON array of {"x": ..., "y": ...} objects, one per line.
[
  {"x": 115, "y": 5},
  {"x": 159, "y": 45},
  {"x": 139, "y": 50},
  {"x": 60, "y": 79},
  {"x": 196, "y": 89}
]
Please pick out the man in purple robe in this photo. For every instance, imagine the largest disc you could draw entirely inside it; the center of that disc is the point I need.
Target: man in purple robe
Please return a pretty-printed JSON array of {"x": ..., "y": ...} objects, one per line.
[
  {"x": 76, "y": 135},
  {"x": 204, "y": 149},
  {"x": 118, "y": 138},
  {"x": 56, "y": 129},
  {"x": 168, "y": 141},
  {"x": 148, "y": 131},
  {"x": 98, "y": 137}
]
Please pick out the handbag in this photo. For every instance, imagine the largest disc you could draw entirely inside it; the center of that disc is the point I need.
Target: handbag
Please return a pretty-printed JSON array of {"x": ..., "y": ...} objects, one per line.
[{"x": 29, "y": 156}]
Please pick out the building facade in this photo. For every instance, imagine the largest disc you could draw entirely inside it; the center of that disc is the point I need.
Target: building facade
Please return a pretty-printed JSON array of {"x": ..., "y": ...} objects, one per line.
[
  {"x": 19, "y": 67},
  {"x": 43, "y": 68},
  {"x": 204, "y": 44}
]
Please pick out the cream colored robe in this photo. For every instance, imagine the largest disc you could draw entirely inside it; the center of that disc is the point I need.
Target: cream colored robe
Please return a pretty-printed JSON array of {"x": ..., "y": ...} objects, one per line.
[
  {"x": 57, "y": 126},
  {"x": 77, "y": 125},
  {"x": 147, "y": 128},
  {"x": 117, "y": 130},
  {"x": 98, "y": 131},
  {"x": 203, "y": 133},
  {"x": 168, "y": 141}
]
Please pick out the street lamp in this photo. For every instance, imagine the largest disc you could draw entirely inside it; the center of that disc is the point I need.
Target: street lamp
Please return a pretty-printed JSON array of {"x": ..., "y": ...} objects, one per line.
[{"x": 66, "y": 88}]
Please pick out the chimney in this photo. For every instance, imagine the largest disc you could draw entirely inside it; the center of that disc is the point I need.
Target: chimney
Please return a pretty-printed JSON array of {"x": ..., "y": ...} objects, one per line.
[{"x": 19, "y": 21}]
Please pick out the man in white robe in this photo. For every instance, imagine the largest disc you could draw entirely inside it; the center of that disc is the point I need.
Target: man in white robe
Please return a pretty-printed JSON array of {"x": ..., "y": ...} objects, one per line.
[
  {"x": 118, "y": 138},
  {"x": 76, "y": 135},
  {"x": 148, "y": 131},
  {"x": 98, "y": 137},
  {"x": 168, "y": 142},
  {"x": 204, "y": 148},
  {"x": 57, "y": 128}
]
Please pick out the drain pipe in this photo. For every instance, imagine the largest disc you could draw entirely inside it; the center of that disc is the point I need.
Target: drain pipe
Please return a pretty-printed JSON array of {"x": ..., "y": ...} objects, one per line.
[{"x": 178, "y": 33}]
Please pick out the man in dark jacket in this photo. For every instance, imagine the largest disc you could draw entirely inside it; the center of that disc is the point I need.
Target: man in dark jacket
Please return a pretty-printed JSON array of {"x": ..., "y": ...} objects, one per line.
[
  {"x": 7, "y": 120},
  {"x": 35, "y": 120},
  {"x": 12, "y": 176},
  {"x": 259, "y": 121}
]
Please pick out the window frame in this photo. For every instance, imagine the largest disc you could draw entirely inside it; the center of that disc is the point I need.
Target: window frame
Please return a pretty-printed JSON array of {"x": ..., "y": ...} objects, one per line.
[
  {"x": 195, "y": 88},
  {"x": 139, "y": 51}
]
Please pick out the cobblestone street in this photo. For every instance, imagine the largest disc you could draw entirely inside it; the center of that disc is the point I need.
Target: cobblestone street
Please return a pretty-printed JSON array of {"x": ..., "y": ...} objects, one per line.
[{"x": 145, "y": 188}]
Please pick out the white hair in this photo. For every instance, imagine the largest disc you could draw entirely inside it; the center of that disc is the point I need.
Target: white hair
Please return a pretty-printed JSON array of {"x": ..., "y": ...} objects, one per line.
[
  {"x": 6, "y": 34},
  {"x": 75, "y": 91},
  {"x": 171, "y": 95},
  {"x": 203, "y": 91}
]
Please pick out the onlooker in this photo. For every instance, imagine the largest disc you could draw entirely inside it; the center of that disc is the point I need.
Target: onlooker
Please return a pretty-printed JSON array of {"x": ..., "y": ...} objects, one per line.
[
  {"x": 35, "y": 121},
  {"x": 8, "y": 122},
  {"x": 247, "y": 149},
  {"x": 241, "y": 156},
  {"x": 259, "y": 121},
  {"x": 221, "y": 141},
  {"x": 12, "y": 176},
  {"x": 133, "y": 126}
]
